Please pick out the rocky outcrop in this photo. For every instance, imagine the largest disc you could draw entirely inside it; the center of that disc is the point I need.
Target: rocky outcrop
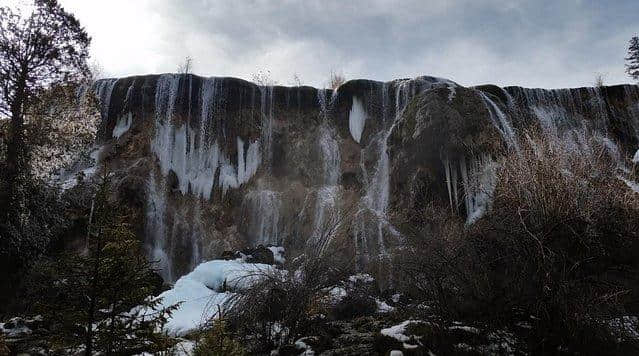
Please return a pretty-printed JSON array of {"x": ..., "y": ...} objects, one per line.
[{"x": 216, "y": 164}]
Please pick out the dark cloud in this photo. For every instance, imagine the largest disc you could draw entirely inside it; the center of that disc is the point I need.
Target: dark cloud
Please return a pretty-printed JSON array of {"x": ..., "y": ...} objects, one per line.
[{"x": 530, "y": 43}]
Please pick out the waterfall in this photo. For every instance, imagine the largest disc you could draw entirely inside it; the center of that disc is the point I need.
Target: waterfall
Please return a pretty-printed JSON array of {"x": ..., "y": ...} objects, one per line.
[
  {"x": 123, "y": 125},
  {"x": 326, "y": 212},
  {"x": 479, "y": 179},
  {"x": 266, "y": 107},
  {"x": 103, "y": 90},
  {"x": 500, "y": 121},
  {"x": 213, "y": 150},
  {"x": 261, "y": 209},
  {"x": 195, "y": 156},
  {"x": 155, "y": 226}
]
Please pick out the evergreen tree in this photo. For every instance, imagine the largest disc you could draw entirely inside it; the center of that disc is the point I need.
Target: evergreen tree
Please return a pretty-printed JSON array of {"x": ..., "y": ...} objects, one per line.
[
  {"x": 37, "y": 50},
  {"x": 632, "y": 68},
  {"x": 101, "y": 300}
]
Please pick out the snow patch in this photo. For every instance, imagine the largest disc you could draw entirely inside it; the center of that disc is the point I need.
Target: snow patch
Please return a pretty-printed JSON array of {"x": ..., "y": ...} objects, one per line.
[
  {"x": 632, "y": 185},
  {"x": 278, "y": 254},
  {"x": 200, "y": 295},
  {"x": 398, "y": 332},
  {"x": 635, "y": 159},
  {"x": 383, "y": 307}
]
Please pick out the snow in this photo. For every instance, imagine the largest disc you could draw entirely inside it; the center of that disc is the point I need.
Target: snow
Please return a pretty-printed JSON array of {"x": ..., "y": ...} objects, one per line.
[
  {"x": 635, "y": 159},
  {"x": 198, "y": 292},
  {"x": 398, "y": 332},
  {"x": 302, "y": 345},
  {"x": 382, "y": 307},
  {"x": 633, "y": 185},
  {"x": 468, "y": 329},
  {"x": 396, "y": 353},
  {"x": 357, "y": 119},
  {"x": 452, "y": 92},
  {"x": 361, "y": 278},
  {"x": 336, "y": 294},
  {"x": 278, "y": 254},
  {"x": 16, "y": 327}
]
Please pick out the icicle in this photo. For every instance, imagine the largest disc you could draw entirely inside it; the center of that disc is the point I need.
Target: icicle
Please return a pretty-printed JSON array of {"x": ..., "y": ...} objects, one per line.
[
  {"x": 356, "y": 119},
  {"x": 448, "y": 185}
]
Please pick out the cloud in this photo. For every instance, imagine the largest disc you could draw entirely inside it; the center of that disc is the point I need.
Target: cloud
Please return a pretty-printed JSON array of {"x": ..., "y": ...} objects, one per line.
[{"x": 529, "y": 43}]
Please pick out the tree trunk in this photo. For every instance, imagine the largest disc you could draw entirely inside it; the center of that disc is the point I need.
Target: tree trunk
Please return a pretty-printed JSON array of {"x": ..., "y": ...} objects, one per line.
[
  {"x": 16, "y": 157},
  {"x": 93, "y": 295}
]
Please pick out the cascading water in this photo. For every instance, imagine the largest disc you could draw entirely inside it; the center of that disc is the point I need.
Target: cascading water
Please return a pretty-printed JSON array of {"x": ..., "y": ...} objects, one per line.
[
  {"x": 326, "y": 217},
  {"x": 261, "y": 209},
  {"x": 217, "y": 177},
  {"x": 103, "y": 89},
  {"x": 155, "y": 226}
]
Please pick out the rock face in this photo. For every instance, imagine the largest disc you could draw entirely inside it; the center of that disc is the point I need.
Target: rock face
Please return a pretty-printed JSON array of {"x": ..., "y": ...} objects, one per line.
[{"x": 216, "y": 164}]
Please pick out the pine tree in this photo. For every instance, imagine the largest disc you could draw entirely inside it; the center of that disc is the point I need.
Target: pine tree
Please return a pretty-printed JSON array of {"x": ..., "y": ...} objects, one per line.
[
  {"x": 41, "y": 45},
  {"x": 101, "y": 299},
  {"x": 632, "y": 68}
]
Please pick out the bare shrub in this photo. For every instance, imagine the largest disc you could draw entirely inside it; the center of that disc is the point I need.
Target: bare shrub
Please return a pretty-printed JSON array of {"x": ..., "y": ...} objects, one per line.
[
  {"x": 264, "y": 78},
  {"x": 296, "y": 80},
  {"x": 185, "y": 67},
  {"x": 599, "y": 80},
  {"x": 560, "y": 243},
  {"x": 336, "y": 79},
  {"x": 284, "y": 305}
]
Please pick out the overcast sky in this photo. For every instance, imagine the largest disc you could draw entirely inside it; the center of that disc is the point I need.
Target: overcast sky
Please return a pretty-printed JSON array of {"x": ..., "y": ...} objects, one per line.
[{"x": 536, "y": 43}]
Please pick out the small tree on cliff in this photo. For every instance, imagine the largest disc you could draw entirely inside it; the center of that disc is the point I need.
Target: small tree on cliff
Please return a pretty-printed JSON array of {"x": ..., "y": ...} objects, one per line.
[
  {"x": 632, "y": 68},
  {"x": 37, "y": 51},
  {"x": 102, "y": 299}
]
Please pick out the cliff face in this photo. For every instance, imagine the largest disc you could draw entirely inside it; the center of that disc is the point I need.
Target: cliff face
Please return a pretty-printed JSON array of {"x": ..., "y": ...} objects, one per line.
[{"x": 220, "y": 163}]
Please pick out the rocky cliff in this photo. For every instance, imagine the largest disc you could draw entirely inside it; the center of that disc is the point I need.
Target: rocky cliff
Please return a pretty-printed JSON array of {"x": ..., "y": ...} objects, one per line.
[{"x": 213, "y": 164}]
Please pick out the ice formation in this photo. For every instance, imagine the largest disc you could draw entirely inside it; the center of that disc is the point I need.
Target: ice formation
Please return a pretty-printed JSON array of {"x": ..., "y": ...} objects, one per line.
[{"x": 356, "y": 119}]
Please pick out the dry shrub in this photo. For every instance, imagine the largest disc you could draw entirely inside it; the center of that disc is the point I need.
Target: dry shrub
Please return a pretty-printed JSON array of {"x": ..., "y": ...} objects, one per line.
[
  {"x": 562, "y": 237},
  {"x": 284, "y": 305},
  {"x": 599, "y": 80},
  {"x": 336, "y": 79},
  {"x": 560, "y": 243}
]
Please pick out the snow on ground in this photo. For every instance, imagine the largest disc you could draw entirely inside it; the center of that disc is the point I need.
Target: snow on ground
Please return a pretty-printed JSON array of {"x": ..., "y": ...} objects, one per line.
[
  {"x": 383, "y": 307},
  {"x": 635, "y": 159},
  {"x": 633, "y": 185},
  {"x": 627, "y": 325},
  {"x": 361, "y": 278},
  {"x": 303, "y": 346},
  {"x": 200, "y": 292},
  {"x": 278, "y": 254},
  {"x": 398, "y": 332}
]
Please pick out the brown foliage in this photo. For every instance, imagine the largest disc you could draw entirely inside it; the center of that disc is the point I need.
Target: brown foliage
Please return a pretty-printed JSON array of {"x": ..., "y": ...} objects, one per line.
[{"x": 560, "y": 243}]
